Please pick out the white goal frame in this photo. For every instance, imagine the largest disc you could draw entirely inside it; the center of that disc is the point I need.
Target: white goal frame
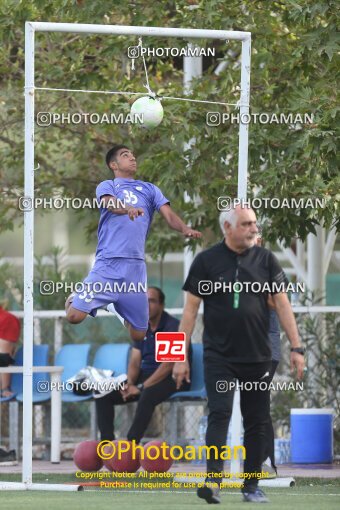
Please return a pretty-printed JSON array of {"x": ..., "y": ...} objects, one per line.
[{"x": 30, "y": 29}]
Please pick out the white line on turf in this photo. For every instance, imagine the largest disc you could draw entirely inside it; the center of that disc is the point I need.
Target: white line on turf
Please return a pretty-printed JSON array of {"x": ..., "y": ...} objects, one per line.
[{"x": 190, "y": 493}]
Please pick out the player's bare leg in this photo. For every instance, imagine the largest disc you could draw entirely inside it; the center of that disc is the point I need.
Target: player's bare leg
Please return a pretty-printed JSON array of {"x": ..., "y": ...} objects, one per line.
[
  {"x": 73, "y": 315},
  {"x": 6, "y": 347},
  {"x": 136, "y": 335}
]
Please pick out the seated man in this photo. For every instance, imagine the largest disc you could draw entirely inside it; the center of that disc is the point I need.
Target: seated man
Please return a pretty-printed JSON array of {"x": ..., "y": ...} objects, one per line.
[
  {"x": 9, "y": 336},
  {"x": 149, "y": 382}
]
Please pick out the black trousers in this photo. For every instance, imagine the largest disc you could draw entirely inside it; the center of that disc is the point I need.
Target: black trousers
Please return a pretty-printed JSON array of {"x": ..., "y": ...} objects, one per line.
[
  {"x": 255, "y": 409},
  {"x": 147, "y": 401},
  {"x": 270, "y": 448}
]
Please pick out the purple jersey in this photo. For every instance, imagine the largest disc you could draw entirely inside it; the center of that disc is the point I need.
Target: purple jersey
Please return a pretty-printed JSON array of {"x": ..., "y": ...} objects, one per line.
[{"x": 118, "y": 236}]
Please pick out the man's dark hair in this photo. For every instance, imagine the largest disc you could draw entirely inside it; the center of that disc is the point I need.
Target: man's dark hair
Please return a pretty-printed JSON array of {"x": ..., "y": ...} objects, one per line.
[
  {"x": 112, "y": 153},
  {"x": 161, "y": 295}
]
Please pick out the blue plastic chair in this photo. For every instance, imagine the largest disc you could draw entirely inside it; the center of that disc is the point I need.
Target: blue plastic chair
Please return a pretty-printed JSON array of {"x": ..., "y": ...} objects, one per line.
[
  {"x": 40, "y": 358},
  {"x": 195, "y": 396},
  {"x": 197, "y": 387},
  {"x": 73, "y": 357},
  {"x": 113, "y": 357}
]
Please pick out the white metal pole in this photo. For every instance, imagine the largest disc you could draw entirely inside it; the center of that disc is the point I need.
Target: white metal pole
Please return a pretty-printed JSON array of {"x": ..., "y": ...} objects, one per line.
[
  {"x": 300, "y": 252},
  {"x": 192, "y": 68},
  {"x": 301, "y": 274},
  {"x": 58, "y": 334},
  {"x": 28, "y": 257},
  {"x": 186, "y": 33},
  {"x": 316, "y": 285},
  {"x": 17, "y": 486},
  {"x": 244, "y": 111},
  {"x": 329, "y": 247},
  {"x": 55, "y": 416},
  {"x": 315, "y": 251},
  {"x": 236, "y": 419}
]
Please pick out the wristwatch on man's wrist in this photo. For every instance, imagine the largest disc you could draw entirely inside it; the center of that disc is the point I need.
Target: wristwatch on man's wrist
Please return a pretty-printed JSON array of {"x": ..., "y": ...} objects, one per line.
[
  {"x": 299, "y": 350},
  {"x": 140, "y": 386}
]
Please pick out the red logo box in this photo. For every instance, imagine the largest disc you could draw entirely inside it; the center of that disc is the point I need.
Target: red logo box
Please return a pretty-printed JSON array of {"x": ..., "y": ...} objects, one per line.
[{"x": 170, "y": 346}]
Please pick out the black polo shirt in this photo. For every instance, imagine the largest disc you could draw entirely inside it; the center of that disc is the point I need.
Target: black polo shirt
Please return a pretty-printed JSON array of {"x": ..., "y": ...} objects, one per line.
[
  {"x": 147, "y": 346},
  {"x": 238, "y": 333}
]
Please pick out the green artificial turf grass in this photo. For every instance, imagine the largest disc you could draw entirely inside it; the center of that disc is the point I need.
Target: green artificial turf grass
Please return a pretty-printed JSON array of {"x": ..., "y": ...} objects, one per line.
[{"x": 323, "y": 494}]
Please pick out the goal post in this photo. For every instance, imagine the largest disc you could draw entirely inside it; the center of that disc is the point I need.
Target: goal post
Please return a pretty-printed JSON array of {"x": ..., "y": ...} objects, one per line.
[{"x": 30, "y": 29}]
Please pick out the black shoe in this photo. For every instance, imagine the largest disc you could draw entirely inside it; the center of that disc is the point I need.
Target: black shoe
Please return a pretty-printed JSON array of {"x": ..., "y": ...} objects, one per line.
[
  {"x": 210, "y": 492},
  {"x": 254, "y": 496},
  {"x": 7, "y": 456}
]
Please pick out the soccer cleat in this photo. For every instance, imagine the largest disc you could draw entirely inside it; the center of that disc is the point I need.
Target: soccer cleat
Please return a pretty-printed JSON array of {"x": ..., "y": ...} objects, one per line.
[
  {"x": 254, "y": 496},
  {"x": 210, "y": 492}
]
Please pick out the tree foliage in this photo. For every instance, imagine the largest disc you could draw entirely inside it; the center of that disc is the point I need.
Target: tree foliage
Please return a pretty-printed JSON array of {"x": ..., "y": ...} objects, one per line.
[{"x": 293, "y": 70}]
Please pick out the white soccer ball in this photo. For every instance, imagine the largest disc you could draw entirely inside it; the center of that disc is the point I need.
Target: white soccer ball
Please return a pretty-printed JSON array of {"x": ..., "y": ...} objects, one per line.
[{"x": 149, "y": 109}]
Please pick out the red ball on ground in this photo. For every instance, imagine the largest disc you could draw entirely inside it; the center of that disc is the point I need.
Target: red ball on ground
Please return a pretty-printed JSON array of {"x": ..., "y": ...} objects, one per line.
[
  {"x": 86, "y": 458},
  {"x": 156, "y": 457},
  {"x": 128, "y": 461}
]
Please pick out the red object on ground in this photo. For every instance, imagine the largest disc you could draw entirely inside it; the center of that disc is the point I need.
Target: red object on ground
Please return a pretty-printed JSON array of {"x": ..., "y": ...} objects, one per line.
[
  {"x": 125, "y": 463},
  {"x": 86, "y": 458},
  {"x": 159, "y": 465}
]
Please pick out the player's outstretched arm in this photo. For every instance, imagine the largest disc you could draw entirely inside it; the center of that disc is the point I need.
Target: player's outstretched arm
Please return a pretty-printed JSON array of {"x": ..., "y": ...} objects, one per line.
[
  {"x": 111, "y": 203},
  {"x": 175, "y": 222}
]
